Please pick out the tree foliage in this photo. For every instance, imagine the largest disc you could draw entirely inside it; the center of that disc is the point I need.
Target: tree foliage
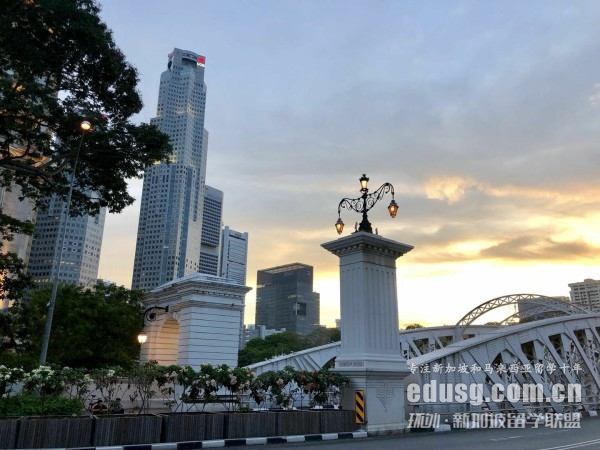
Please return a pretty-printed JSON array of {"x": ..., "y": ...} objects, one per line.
[
  {"x": 258, "y": 349},
  {"x": 59, "y": 65},
  {"x": 92, "y": 328}
]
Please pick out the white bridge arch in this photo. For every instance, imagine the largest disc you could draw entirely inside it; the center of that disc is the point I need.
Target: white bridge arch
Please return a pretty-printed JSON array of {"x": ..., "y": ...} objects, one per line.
[{"x": 562, "y": 350}]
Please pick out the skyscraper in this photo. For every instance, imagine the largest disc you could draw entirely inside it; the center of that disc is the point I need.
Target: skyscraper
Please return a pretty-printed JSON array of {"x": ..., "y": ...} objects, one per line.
[
  {"x": 170, "y": 224},
  {"x": 11, "y": 205},
  {"x": 234, "y": 255},
  {"x": 285, "y": 298},
  {"x": 212, "y": 213},
  {"x": 81, "y": 249}
]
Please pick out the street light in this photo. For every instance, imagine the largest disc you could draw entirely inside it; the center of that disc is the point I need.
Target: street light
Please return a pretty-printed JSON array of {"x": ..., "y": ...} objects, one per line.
[
  {"x": 364, "y": 203},
  {"x": 84, "y": 126},
  {"x": 150, "y": 316}
]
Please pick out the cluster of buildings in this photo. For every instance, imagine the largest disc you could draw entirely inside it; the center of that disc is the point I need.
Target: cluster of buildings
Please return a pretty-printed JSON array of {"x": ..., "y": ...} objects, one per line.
[{"x": 180, "y": 229}]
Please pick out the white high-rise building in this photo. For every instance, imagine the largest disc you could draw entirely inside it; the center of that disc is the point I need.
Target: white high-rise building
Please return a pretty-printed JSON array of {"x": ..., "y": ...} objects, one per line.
[
  {"x": 586, "y": 293},
  {"x": 81, "y": 250},
  {"x": 234, "y": 255},
  {"x": 212, "y": 213},
  {"x": 170, "y": 225}
]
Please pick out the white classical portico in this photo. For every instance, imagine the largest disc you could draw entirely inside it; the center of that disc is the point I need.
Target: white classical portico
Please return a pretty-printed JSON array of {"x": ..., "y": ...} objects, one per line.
[
  {"x": 370, "y": 353},
  {"x": 203, "y": 322}
]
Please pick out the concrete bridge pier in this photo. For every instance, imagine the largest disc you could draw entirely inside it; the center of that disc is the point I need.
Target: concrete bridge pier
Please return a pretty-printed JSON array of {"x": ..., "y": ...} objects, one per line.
[{"x": 370, "y": 353}]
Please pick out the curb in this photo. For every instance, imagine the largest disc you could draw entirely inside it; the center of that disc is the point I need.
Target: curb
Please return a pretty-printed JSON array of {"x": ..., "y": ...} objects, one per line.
[{"x": 191, "y": 445}]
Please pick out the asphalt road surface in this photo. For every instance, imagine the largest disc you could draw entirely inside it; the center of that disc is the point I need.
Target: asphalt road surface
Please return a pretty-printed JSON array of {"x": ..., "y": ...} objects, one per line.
[{"x": 587, "y": 437}]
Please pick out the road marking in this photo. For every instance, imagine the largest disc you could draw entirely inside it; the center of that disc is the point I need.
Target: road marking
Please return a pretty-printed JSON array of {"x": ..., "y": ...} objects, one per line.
[
  {"x": 506, "y": 438},
  {"x": 574, "y": 445}
]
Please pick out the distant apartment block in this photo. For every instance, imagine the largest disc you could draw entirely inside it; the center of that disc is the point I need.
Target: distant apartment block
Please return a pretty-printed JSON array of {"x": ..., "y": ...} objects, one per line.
[
  {"x": 212, "y": 213},
  {"x": 252, "y": 331},
  {"x": 545, "y": 308},
  {"x": 586, "y": 294},
  {"x": 285, "y": 298}
]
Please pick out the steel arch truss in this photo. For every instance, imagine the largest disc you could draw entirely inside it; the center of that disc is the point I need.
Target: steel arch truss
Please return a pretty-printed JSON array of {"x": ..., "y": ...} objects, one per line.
[
  {"x": 540, "y": 302},
  {"x": 552, "y": 356}
]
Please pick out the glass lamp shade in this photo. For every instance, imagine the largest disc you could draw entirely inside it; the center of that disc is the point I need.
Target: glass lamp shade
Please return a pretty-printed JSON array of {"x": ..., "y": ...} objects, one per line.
[
  {"x": 339, "y": 226},
  {"x": 393, "y": 208},
  {"x": 142, "y": 338},
  {"x": 364, "y": 182}
]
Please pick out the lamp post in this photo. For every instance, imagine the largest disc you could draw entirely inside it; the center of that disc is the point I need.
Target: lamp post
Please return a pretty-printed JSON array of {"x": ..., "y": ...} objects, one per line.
[
  {"x": 84, "y": 126},
  {"x": 364, "y": 203},
  {"x": 150, "y": 316}
]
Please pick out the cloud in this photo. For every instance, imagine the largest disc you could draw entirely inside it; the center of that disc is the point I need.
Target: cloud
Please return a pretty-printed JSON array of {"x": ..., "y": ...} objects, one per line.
[
  {"x": 484, "y": 117},
  {"x": 450, "y": 189},
  {"x": 594, "y": 99},
  {"x": 529, "y": 248}
]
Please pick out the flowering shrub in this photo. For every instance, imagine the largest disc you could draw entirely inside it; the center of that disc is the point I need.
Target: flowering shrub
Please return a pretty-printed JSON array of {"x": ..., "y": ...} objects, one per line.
[
  {"x": 44, "y": 381},
  {"x": 231, "y": 387},
  {"x": 236, "y": 383},
  {"x": 76, "y": 383},
  {"x": 167, "y": 381},
  {"x": 279, "y": 387},
  {"x": 141, "y": 379},
  {"x": 208, "y": 382},
  {"x": 8, "y": 378},
  {"x": 322, "y": 386},
  {"x": 258, "y": 390},
  {"x": 108, "y": 384}
]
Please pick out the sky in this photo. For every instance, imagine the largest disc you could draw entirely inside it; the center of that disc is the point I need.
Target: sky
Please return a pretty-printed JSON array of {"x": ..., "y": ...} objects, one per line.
[{"x": 485, "y": 117}]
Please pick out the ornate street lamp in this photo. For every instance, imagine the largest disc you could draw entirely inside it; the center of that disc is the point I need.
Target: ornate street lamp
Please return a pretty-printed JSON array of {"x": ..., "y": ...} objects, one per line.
[
  {"x": 85, "y": 127},
  {"x": 149, "y": 315},
  {"x": 364, "y": 203}
]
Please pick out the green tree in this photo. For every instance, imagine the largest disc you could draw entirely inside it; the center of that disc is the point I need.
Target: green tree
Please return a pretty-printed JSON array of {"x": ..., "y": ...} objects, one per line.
[
  {"x": 13, "y": 279},
  {"x": 258, "y": 349},
  {"x": 92, "y": 328},
  {"x": 59, "y": 65},
  {"x": 321, "y": 336}
]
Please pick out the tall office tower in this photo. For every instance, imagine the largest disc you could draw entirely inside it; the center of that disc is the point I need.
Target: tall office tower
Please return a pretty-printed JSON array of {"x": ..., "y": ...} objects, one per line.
[
  {"x": 586, "y": 294},
  {"x": 170, "y": 224},
  {"x": 234, "y": 255},
  {"x": 212, "y": 212},
  {"x": 81, "y": 249},
  {"x": 285, "y": 298},
  {"x": 21, "y": 210}
]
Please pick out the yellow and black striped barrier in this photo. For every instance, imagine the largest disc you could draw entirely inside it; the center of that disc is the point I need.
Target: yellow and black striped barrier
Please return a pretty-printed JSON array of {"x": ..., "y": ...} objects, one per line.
[{"x": 359, "y": 406}]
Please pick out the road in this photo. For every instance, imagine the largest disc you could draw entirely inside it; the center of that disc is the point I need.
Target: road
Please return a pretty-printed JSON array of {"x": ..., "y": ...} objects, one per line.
[{"x": 586, "y": 437}]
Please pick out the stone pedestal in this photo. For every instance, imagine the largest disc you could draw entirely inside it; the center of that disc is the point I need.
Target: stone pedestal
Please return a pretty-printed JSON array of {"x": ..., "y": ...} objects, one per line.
[{"x": 370, "y": 350}]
